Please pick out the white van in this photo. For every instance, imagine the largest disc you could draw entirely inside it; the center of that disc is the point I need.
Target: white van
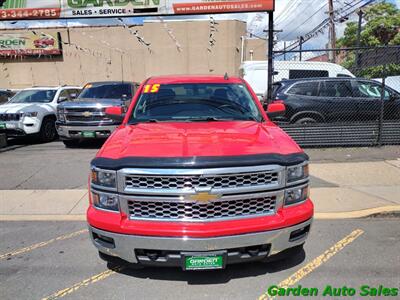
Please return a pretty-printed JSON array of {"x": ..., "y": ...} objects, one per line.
[
  {"x": 392, "y": 81},
  {"x": 255, "y": 72}
]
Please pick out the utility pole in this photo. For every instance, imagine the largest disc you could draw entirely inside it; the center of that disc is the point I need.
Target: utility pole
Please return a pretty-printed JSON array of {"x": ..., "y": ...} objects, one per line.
[
  {"x": 332, "y": 32},
  {"x": 284, "y": 48},
  {"x": 301, "y": 47}
]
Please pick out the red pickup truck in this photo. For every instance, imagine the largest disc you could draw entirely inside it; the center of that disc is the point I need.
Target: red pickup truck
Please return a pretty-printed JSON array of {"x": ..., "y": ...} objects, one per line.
[{"x": 198, "y": 177}]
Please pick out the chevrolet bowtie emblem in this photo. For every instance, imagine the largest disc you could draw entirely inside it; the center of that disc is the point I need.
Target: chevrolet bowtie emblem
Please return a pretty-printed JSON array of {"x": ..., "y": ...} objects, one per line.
[
  {"x": 204, "y": 197},
  {"x": 87, "y": 114}
]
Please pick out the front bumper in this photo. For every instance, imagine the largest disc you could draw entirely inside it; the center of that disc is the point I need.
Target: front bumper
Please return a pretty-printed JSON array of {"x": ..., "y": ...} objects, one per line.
[
  {"x": 132, "y": 248},
  {"x": 76, "y": 132},
  {"x": 22, "y": 128}
]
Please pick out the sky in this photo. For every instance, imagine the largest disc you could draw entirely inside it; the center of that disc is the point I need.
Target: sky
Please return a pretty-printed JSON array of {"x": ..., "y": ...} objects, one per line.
[{"x": 294, "y": 17}]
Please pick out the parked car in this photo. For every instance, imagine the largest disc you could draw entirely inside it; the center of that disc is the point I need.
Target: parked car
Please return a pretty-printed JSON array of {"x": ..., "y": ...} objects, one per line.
[
  {"x": 5, "y": 95},
  {"x": 255, "y": 72},
  {"x": 32, "y": 111},
  {"x": 334, "y": 99},
  {"x": 44, "y": 42},
  {"x": 84, "y": 118},
  {"x": 197, "y": 177}
]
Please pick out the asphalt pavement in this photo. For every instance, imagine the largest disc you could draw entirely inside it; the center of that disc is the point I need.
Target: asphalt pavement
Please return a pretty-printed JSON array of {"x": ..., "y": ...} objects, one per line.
[
  {"x": 53, "y": 260},
  {"x": 52, "y": 166}
]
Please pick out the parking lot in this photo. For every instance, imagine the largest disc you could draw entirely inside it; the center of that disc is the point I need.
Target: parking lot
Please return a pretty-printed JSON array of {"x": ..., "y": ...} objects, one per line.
[{"x": 55, "y": 259}]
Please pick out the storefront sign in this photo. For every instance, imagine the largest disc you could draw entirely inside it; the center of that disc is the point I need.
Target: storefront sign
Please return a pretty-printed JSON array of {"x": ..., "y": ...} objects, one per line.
[
  {"x": 28, "y": 44},
  {"x": 56, "y": 9}
]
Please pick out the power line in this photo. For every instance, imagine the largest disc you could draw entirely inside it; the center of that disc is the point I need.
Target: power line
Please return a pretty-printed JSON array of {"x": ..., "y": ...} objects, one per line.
[
  {"x": 323, "y": 6},
  {"x": 320, "y": 27},
  {"x": 288, "y": 12}
]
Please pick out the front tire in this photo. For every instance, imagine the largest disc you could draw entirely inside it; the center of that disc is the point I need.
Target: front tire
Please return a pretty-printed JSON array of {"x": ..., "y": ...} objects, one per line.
[
  {"x": 48, "y": 130},
  {"x": 291, "y": 253},
  {"x": 71, "y": 143},
  {"x": 116, "y": 262}
]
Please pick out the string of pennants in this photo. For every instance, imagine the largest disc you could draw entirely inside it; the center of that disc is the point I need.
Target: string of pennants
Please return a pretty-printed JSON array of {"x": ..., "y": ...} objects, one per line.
[
  {"x": 171, "y": 34},
  {"x": 135, "y": 33},
  {"x": 213, "y": 29}
]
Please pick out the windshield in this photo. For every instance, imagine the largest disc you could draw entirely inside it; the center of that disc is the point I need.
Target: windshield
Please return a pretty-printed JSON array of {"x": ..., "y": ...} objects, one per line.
[
  {"x": 195, "y": 102},
  {"x": 34, "y": 96},
  {"x": 106, "y": 91}
]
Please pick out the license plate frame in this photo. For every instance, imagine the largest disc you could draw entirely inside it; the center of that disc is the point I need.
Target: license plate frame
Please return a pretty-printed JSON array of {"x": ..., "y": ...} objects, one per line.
[
  {"x": 88, "y": 134},
  {"x": 202, "y": 261}
]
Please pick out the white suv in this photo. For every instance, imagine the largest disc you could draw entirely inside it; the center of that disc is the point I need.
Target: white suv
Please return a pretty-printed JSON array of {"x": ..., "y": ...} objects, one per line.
[{"x": 32, "y": 111}]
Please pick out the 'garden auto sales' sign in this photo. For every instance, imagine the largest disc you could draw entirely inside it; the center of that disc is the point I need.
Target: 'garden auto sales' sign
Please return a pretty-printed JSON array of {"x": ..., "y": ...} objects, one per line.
[
  {"x": 28, "y": 44},
  {"x": 60, "y": 9}
]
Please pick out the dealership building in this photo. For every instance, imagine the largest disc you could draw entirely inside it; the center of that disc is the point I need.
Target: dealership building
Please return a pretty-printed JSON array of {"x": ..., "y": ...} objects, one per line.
[{"x": 131, "y": 53}]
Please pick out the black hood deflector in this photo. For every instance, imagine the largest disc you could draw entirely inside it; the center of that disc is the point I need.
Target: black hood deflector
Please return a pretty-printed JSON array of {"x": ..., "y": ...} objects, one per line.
[{"x": 199, "y": 162}]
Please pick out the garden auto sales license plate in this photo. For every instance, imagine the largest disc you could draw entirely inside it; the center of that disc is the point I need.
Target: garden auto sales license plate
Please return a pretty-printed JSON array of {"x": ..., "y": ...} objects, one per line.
[
  {"x": 88, "y": 134},
  {"x": 2, "y": 125},
  {"x": 204, "y": 261}
]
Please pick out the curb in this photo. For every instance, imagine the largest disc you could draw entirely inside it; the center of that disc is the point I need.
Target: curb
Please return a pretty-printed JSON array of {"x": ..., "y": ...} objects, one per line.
[
  {"x": 42, "y": 218},
  {"x": 357, "y": 214},
  {"x": 317, "y": 216}
]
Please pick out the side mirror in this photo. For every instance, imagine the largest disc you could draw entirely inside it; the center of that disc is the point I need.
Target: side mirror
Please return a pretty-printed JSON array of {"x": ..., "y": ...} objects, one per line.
[
  {"x": 62, "y": 99},
  {"x": 115, "y": 113},
  {"x": 276, "y": 110}
]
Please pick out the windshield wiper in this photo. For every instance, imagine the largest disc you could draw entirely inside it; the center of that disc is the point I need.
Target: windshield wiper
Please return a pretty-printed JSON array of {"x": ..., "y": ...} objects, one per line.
[
  {"x": 135, "y": 122},
  {"x": 209, "y": 119}
]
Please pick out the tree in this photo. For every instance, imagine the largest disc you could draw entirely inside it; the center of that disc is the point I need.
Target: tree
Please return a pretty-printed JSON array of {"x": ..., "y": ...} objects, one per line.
[{"x": 381, "y": 28}]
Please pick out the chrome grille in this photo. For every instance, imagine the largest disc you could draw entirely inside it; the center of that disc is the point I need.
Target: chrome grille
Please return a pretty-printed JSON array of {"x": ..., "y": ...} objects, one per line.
[
  {"x": 82, "y": 109},
  {"x": 86, "y": 119},
  {"x": 88, "y": 114},
  {"x": 201, "y": 181},
  {"x": 192, "y": 211},
  {"x": 10, "y": 117}
]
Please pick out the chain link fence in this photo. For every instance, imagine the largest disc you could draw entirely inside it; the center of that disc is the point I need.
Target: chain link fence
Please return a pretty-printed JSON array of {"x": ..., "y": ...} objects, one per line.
[{"x": 352, "y": 102}]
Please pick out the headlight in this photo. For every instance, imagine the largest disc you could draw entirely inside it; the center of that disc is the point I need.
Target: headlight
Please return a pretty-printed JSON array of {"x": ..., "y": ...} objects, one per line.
[
  {"x": 60, "y": 115},
  {"x": 32, "y": 114},
  {"x": 296, "y": 195},
  {"x": 296, "y": 173},
  {"x": 105, "y": 201},
  {"x": 104, "y": 178}
]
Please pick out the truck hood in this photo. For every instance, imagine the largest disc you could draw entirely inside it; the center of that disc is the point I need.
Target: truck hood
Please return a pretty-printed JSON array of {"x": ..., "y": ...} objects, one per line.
[
  {"x": 12, "y": 108},
  {"x": 88, "y": 102},
  {"x": 159, "y": 140}
]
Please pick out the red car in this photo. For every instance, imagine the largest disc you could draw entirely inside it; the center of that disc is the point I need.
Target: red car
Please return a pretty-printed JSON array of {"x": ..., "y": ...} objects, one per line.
[
  {"x": 43, "y": 42},
  {"x": 198, "y": 177}
]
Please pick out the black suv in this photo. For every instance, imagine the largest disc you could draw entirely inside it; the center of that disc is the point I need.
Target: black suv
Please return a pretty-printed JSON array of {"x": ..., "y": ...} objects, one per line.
[{"x": 319, "y": 100}]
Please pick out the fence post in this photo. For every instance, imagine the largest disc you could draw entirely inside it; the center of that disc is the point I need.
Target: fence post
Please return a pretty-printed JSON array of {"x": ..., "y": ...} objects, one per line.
[
  {"x": 270, "y": 54},
  {"x": 380, "y": 129}
]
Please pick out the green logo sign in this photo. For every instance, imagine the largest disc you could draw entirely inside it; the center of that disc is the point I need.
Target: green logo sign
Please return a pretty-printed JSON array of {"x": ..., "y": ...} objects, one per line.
[{"x": 7, "y": 4}]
